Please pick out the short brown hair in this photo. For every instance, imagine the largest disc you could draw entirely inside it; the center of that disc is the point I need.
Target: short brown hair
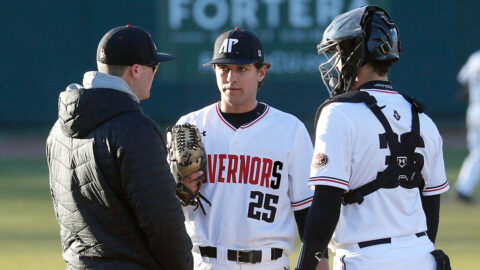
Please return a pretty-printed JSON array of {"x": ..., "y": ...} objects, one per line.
[
  {"x": 381, "y": 67},
  {"x": 259, "y": 64},
  {"x": 115, "y": 70}
]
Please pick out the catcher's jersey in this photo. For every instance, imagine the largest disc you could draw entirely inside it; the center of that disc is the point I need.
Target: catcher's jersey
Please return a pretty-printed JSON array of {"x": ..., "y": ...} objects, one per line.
[
  {"x": 257, "y": 176},
  {"x": 350, "y": 149}
]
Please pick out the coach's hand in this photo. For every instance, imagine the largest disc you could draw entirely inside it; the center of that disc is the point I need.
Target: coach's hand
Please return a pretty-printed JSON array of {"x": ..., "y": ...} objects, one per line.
[
  {"x": 322, "y": 265},
  {"x": 191, "y": 181}
]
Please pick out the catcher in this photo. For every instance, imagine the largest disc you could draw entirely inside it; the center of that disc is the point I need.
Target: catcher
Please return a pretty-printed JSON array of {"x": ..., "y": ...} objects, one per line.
[
  {"x": 378, "y": 170},
  {"x": 187, "y": 159}
]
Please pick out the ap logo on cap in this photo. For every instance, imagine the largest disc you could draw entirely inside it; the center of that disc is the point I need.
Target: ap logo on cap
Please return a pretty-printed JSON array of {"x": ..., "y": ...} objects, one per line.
[{"x": 227, "y": 45}]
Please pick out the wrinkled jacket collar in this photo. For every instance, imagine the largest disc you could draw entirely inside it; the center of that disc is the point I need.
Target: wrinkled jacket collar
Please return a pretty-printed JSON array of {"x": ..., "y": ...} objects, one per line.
[
  {"x": 96, "y": 79},
  {"x": 81, "y": 109}
]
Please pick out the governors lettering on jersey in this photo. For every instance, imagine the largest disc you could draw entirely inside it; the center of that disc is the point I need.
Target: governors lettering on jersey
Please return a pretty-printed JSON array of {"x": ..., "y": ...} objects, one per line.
[
  {"x": 244, "y": 169},
  {"x": 258, "y": 161}
]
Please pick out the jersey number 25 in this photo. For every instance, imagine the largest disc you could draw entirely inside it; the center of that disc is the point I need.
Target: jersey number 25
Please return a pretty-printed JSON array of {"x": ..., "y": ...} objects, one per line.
[{"x": 265, "y": 201}]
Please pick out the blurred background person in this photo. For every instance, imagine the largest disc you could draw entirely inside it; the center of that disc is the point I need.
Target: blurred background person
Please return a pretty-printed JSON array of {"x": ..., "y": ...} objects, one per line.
[{"x": 469, "y": 79}]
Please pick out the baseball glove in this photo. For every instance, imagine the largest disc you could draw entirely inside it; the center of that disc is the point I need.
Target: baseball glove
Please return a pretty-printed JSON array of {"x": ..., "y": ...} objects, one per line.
[{"x": 186, "y": 155}]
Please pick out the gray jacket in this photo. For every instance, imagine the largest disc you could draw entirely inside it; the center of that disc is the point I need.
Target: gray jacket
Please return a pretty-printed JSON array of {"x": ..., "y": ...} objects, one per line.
[{"x": 112, "y": 191}]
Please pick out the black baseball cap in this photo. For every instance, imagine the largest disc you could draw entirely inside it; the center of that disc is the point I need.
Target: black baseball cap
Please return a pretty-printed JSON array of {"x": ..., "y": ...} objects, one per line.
[
  {"x": 128, "y": 45},
  {"x": 237, "y": 47}
]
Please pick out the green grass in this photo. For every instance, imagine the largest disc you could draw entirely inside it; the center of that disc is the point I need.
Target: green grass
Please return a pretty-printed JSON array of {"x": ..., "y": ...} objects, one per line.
[{"x": 29, "y": 233}]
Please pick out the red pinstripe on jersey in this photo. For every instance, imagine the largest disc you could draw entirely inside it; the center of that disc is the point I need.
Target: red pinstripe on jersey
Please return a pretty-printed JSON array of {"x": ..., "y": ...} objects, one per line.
[
  {"x": 221, "y": 118},
  {"x": 258, "y": 119},
  {"x": 381, "y": 91},
  {"x": 437, "y": 188},
  {"x": 267, "y": 108},
  {"x": 302, "y": 202},
  {"x": 328, "y": 179}
]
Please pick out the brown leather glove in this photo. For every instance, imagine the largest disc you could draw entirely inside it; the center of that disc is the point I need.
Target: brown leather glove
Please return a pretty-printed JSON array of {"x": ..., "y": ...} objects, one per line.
[{"x": 186, "y": 155}]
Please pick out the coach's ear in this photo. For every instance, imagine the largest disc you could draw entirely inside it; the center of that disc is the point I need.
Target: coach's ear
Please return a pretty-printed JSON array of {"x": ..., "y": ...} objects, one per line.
[{"x": 135, "y": 71}]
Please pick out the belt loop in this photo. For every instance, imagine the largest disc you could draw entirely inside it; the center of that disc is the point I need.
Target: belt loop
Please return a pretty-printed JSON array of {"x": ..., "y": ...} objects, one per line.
[
  {"x": 420, "y": 234},
  {"x": 222, "y": 255},
  {"x": 265, "y": 254}
]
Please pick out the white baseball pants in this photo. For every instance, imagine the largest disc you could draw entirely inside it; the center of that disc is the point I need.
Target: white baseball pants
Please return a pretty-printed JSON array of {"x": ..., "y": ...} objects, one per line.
[
  {"x": 403, "y": 253},
  {"x": 470, "y": 171},
  {"x": 205, "y": 263}
]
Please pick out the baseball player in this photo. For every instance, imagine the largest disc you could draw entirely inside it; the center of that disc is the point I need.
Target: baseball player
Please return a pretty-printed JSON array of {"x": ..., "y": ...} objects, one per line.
[
  {"x": 257, "y": 172},
  {"x": 377, "y": 158},
  {"x": 469, "y": 79}
]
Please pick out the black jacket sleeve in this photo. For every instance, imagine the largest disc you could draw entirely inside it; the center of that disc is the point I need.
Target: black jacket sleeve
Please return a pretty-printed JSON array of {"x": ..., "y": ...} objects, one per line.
[
  {"x": 321, "y": 222},
  {"x": 150, "y": 191},
  {"x": 431, "y": 207}
]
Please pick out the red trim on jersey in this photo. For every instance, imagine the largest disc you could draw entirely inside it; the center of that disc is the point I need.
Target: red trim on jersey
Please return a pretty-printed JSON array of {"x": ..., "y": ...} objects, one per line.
[
  {"x": 328, "y": 180},
  {"x": 243, "y": 127},
  {"x": 258, "y": 119},
  {"x": 436, "y": 189},
  {"x": 221, "y": 118},
  {"x": 381, "y": 91},
  {"x": 300, "y": 204}
]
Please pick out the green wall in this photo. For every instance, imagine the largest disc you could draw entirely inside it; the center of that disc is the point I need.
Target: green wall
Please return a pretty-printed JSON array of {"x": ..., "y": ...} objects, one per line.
[{"x": 47, "y": 45}]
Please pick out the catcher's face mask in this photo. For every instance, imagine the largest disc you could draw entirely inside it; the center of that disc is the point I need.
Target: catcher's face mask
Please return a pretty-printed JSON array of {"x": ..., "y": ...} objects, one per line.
[
  {"x": 330, "y": 66},
  {"x": 353, "y": 39},
  {"x": 340, "y": 65}
]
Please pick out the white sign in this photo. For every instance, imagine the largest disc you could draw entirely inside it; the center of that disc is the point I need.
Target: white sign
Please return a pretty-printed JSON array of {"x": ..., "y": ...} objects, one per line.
[{"x": 217, "y": 14}]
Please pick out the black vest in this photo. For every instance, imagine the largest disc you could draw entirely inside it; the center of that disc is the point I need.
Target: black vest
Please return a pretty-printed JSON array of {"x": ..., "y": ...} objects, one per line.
[{"x": 404, "y": 164}]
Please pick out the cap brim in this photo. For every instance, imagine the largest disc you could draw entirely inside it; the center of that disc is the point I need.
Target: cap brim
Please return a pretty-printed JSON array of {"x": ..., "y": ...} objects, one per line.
[
  {"x": 164, "y": 57},
  {"x": 227, "y": 61}
]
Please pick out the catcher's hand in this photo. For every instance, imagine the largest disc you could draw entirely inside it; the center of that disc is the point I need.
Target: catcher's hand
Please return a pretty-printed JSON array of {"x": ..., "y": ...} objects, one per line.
[
  {"x": 186, "y": 156},
  {"x": 443, "y": 262}
]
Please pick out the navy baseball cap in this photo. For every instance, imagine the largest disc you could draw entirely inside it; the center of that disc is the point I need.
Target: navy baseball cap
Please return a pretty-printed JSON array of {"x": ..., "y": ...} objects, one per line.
[
  {"x": 128, "y": 45},
  {"x": 237, "y": 47}
]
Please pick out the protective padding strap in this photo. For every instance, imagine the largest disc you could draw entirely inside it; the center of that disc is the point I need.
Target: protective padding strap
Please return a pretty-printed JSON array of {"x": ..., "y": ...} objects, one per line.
[{"x": 407, "y": 175}]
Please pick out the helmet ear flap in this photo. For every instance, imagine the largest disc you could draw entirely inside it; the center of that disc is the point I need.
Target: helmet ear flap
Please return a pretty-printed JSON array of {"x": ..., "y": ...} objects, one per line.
[{"x": 381, "y": 36}]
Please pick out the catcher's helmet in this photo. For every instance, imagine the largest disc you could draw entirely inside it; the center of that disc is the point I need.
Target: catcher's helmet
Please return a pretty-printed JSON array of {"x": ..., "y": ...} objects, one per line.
[{"x": 355, "y": 38}]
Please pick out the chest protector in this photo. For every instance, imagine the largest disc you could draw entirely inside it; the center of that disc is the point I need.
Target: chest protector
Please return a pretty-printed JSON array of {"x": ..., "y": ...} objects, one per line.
[{"x": 403, "y": 164}]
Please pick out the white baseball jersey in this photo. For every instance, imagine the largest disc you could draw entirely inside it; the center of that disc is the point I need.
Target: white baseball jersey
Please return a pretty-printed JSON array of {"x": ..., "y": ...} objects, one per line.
[
  {"x": 257, "y": 176},
  {"x": 469, "y": 76},
  {"x": 349, "y": 153}
]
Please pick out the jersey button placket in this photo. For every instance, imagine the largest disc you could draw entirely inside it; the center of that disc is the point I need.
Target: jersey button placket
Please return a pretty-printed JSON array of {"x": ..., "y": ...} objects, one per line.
[
  {"x": 235, "y": 142},
  {"x": 224, "y": 233},
  {"x": 235, "y": 148}
]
